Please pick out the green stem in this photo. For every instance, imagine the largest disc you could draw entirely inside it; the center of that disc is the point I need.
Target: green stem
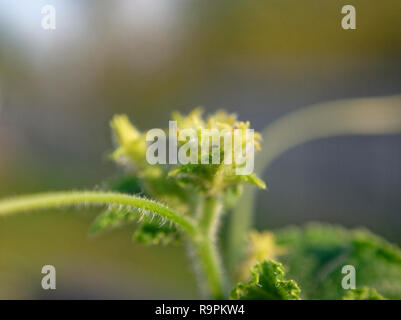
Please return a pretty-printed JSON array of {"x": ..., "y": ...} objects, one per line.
[
  {"x": 206, "y": 248},
  {"x": 208, "y": 222},
  {"x": 60, "y": 199}
]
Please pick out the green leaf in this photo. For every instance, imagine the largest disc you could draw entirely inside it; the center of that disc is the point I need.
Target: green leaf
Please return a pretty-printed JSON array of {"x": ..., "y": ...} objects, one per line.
[
  {"x": 364, "y": 293},
  {"x": 112, "y": 218},
  {"x": 253, "y": 179},
  {"x": 116, "y": 216},
  {"x": 267, "y": 283},
  {"x": 155, "y": 233},
  {"x": 316, "y": 254},
  {"x": 150, "y": 231}
]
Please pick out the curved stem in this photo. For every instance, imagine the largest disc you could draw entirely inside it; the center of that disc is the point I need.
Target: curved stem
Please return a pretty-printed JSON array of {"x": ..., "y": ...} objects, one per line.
[{"x": 60, "y": 199}]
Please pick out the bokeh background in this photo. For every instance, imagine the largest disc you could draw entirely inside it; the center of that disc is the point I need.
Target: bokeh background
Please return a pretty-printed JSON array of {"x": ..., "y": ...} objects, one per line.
[{"x": 260, "y": 59}]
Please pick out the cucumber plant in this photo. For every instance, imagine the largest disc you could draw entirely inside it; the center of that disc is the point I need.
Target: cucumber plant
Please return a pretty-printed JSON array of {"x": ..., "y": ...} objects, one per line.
[{"x": 186, "y": 202}]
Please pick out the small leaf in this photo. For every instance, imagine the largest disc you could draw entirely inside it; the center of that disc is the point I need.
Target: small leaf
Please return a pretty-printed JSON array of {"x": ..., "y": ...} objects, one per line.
[
  {"x": 155, "y": 233},
  {"x": 364, "y": 293},
  {"x": 152, "y": 230},
  {"x": 113, "y": 217},
  {"x": 255, "y": 180},
  {"x": 267, "y": 283}
]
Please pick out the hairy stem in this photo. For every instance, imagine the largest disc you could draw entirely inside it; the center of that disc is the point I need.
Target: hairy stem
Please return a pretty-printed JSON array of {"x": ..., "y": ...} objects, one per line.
[
  {"x": 61, "y": 199},
  {"x": 211, "y": 268},
  {"x": 209, "y": 220},
  {"x": 206, "y": 248}
]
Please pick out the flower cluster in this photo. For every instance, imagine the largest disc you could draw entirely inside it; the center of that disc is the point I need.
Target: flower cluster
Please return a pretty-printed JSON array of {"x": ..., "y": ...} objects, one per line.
[{"x": 204, "y": 173}]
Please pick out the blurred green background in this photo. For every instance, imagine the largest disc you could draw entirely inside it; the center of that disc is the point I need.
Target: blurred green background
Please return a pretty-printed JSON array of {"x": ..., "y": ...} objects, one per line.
[{"x": 260, "y": 59}]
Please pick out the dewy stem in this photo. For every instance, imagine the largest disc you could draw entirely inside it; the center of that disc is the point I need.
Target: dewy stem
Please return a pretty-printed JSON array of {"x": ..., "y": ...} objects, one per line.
[
  {"x": 206, "y": 248},
  {"x": 60, "y": 199}
]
